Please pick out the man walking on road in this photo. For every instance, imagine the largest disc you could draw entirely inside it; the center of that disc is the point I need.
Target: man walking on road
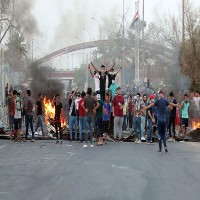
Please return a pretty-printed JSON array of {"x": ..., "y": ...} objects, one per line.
[{"x": 161, "y": 104}]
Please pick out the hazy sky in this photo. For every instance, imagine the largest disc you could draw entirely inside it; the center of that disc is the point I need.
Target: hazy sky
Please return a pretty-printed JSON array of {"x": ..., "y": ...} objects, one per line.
[{"x": 62, "y": 21}]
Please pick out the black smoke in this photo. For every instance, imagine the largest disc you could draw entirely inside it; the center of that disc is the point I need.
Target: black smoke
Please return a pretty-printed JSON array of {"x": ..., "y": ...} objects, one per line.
[{"x": 42, "y": 84}]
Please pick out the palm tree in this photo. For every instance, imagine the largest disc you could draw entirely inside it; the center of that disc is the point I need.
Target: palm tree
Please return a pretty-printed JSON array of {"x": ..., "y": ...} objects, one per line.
[{"x": 16, "y": 53}]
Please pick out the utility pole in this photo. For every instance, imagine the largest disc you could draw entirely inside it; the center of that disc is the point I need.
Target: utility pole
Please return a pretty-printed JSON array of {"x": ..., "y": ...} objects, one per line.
[
  {"x": 99, "y": 27},
  {"x": 143, "y": 25},
  {"x": 123, "y": 80},
  {"x": 137, "y": 45}
]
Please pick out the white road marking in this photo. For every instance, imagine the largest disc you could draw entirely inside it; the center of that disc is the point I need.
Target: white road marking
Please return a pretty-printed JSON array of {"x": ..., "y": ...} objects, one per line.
[
  {"x": 119, "y": 167},
  {"x": 1, "y": 147},
  {"x": 3, "y": 192}
]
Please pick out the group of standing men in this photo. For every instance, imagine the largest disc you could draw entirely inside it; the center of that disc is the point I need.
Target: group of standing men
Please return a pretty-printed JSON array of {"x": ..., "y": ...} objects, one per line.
[{"x": 24, "y": 110}]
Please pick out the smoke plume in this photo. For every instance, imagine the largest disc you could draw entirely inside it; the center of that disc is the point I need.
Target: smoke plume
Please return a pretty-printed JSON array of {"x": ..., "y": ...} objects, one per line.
[
  {"x": 41, "y": 84},
  {"x": 25, "y": 18}
]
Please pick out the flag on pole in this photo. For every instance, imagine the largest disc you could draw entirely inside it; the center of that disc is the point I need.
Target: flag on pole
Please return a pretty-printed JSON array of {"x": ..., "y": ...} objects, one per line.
[{"x": 136, "y": 17}]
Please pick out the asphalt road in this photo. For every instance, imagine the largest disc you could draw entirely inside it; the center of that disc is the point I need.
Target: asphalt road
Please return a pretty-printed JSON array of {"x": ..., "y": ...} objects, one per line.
[{"x": 118, "y": 171}]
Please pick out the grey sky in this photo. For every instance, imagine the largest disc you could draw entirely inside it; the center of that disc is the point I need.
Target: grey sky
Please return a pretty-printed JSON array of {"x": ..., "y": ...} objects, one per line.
[{"x": 61, "y": 21}]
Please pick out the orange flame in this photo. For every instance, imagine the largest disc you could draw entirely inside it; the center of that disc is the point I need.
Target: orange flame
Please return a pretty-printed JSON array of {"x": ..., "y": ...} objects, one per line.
[
  {"x": 195, "y": 125},
  {"x": 49, "y": 111}
]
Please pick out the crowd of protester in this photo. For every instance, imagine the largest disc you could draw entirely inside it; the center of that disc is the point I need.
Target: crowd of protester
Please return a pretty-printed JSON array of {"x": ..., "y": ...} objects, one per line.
[{"x": 140, "y": 112}]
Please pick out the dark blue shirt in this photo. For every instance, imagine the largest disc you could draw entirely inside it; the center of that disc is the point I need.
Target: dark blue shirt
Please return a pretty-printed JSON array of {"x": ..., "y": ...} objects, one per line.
[
  {"x": 161, "y": 105},
  {"x": 106, "y": 111}
]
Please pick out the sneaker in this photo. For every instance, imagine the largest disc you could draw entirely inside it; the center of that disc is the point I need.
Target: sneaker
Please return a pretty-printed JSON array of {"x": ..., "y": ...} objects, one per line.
[
  {"x": 136, "y": 140},
  {"x": 159, "y": 151},
  {"x": 169, "y": 140},
  {"x": 85, "y": 145},
  {"x": 91, "y": 146},
  {"x": 166, "y": 150},
  {"x": 143, "y": 138},
  {"x": 148, "y": 142},
  {"x": 32, "y": 140},
  {"x": 139, "y": 142}
]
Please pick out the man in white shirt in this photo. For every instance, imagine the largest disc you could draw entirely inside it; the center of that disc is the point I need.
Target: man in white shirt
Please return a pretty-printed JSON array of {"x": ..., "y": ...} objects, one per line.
[
  {"x": 17, "y": 116},
  {"x": 95, "y": 76},
  {"x": 77, "y": 107},
  {"x": 197, "y": 104}
]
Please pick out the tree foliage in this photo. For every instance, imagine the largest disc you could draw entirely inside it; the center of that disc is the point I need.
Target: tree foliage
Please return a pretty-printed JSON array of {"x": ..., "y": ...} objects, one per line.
[{"x": 16, "y": 53}]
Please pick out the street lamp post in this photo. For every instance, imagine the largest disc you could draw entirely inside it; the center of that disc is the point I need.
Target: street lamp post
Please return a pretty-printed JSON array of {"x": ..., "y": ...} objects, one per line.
[
  {"x": 86, "y": 58},
  {"x": 99, "y": 27}
]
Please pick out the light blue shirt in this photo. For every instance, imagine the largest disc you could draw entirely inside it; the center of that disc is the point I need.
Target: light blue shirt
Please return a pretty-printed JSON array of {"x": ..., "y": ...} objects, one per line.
[{"x": 185, "y": 110}]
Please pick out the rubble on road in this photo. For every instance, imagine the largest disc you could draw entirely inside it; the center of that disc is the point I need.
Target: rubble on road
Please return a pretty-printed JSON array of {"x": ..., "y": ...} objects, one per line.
[{"x": 192, "y": 136}]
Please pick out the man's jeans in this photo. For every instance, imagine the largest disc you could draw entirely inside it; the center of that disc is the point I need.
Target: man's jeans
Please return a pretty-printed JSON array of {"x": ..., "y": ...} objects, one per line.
[
  {"x": 124, "y": 123},
  {"x": 29, "y": 120},
  {"x": 11, "y": 123},
  {"x": 137, "y": 127},
  {"x": 161, "y": 133},
  {"x": 40, "y": 123},
  {"x": 89, "y": 128},
  {"x": 149, "y": 130},
  {"x": 118, "y": 123},
  {"x": 143, "y": 124},
  {"x": 130, "y": 119},
  {"x": 82, "y": 125},
  {"x": 72, "y": 121},
  {"x": 172, "y": 123}
]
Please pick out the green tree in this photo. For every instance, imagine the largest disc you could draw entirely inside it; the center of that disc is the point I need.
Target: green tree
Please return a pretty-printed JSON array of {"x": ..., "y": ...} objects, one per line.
[{"x": 80, "y": 78}]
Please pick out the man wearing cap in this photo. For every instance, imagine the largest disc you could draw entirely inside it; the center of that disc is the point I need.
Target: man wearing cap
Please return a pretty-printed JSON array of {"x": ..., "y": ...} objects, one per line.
[
  {"x": 117, "y": 107},
  {"x": 161, "y": 104},
  {"x": 150, "y": 120}
]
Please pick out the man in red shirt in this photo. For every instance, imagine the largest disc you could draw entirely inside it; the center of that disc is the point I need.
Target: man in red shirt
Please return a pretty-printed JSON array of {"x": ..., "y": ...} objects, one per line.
[
  {"x": 117, "y": 107},
  {"x": 82, "y": 122}
]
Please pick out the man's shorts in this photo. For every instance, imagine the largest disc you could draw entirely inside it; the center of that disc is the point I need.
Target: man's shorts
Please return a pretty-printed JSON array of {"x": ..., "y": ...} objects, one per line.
[{"x": 184, "y": 122}]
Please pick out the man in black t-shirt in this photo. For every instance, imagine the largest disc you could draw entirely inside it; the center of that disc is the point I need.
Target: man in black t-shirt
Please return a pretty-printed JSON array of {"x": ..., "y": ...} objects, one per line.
[
  {"x": 102, "y": 77},
  {"x": 57, "y": 119},
  {"x": 39, "y": 113},
  {"x": 172, "y": 118}
]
